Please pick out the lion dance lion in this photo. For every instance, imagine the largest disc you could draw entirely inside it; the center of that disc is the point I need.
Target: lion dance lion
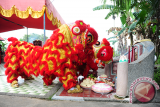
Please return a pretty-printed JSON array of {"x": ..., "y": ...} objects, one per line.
[{"x": 68, "y": 51}]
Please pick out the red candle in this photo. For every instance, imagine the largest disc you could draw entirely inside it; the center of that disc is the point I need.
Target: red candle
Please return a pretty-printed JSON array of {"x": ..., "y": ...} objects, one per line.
[
  {"x": 132, "y": 59},
  {"x": 128, "y": 54}
]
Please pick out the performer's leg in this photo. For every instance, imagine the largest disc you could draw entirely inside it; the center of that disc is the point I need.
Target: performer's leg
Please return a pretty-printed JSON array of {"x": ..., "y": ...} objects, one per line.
[
  {"x": 12, "y": 71},
  {"x": 23, "y": 75},
  {"x": 48, "y": 79},
  {"x": 12, "y": 77},
  {"x": 69, "y": 79}
]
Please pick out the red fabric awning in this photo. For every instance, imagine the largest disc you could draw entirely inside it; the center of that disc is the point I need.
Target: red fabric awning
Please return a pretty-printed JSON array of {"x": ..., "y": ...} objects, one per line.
[{"x": 17, "y": 14}]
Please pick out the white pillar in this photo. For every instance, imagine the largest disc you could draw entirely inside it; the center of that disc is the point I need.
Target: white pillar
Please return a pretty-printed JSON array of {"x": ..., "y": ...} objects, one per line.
[{"x": 122, "y": 78}]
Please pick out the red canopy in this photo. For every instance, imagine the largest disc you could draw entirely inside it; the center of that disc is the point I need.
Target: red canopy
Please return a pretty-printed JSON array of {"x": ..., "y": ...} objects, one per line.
[{"x": 17, "y": 14}]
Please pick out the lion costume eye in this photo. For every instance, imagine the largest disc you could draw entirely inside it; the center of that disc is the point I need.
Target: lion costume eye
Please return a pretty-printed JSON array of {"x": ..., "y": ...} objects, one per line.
[
  {"x": 89, "y": 38},
  {"x": 98, "y": 43},
  {"x": 103, "y": 53}
]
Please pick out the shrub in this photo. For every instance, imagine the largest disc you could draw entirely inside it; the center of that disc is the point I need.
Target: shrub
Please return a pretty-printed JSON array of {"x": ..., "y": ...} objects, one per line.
[{"x": 157, "y": 76}]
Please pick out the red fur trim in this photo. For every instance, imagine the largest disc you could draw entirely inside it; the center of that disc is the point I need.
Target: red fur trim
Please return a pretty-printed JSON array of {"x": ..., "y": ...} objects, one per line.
[
  {"x": 10, "y": 81},
  {"x": 31, "y": 59},
  {"x": 54, "y": 33},
  {"x": 95, "y": 35},
  {"x": 48, "y": 79},
  {"x": 12, "y": 39},
  {"x": 109, "y": 53},
  {"x": 70, "y": 83},
  {"x": 85, "y": 73},
  {"x": 91, "y": 64},
  {"x": 68, "y": 73},
  {"x": 7, "y": 58},
  {"x": 89, "y": 51},
  {"x": 105, "y": 42},
  {"x": 80, "y": 51},
  {"x": 9, "y": 71},
  {"x": 63, "y": 46},
  {"x": 81, "y": 27}
]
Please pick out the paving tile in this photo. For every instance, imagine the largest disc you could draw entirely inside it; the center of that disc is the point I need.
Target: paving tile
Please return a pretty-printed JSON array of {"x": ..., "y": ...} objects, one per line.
[
  {"x": 64, "y": 93},
  {"x": 28, "y": 87},
  {"x": 87, "y": 93},
  {"x": 80, "y": 95},
  {"x": 72, "y": 95}
]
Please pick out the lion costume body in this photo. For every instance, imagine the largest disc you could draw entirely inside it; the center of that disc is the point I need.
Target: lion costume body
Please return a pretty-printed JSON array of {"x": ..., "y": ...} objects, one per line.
[{"x": 68, "y": 51}]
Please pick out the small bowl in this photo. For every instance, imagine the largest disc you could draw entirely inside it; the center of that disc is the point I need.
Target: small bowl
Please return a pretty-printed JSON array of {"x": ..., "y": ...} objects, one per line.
[{"x": 86, "y": 87}]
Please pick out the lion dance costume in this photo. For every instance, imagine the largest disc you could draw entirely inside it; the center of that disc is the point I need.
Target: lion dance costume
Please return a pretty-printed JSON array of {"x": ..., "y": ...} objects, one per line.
[
  {"x": 68, "y": 51},
  {"x": 105, "y": 50}
]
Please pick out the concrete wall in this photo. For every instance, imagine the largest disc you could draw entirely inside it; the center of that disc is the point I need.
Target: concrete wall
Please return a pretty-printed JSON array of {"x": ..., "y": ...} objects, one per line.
[{"x": 144, "y": 65}]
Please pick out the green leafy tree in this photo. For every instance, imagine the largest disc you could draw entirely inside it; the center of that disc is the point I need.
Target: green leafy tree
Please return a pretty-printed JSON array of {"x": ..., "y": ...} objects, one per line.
[
  {"x": 122, "y": 8},
  {"x": 24, "y": 38},
  {"x": 157, "y": 76},
  {"x": 146, "y": 12},
  {"x": 147, "y": 23},
  {"x": 122, "y": 45},
  {"x": 33, "y": 37},
  {"x": 3, "y": 46}
]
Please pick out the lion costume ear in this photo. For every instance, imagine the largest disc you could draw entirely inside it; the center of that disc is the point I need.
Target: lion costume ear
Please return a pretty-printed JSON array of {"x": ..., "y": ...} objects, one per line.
[{"x": 12, "y": 39}]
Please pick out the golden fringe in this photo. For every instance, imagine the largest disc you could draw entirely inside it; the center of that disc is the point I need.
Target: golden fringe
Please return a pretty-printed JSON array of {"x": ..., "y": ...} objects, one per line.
[{"x": 29, "y": 11}]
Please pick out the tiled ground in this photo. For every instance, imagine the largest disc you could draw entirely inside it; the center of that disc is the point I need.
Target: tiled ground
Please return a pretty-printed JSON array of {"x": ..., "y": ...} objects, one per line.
[
  {"x": 28, "y": 87},
  {"x": 2, "y": 69},
  {"x": 32, "y": 87},
  {"x": 87, "y": 93}
]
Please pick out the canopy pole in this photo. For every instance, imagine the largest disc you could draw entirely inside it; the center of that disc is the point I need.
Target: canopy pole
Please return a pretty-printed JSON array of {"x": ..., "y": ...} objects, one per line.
[
  {"x": 27, "y": 34},
  {"x": 44, "y": 22}
]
